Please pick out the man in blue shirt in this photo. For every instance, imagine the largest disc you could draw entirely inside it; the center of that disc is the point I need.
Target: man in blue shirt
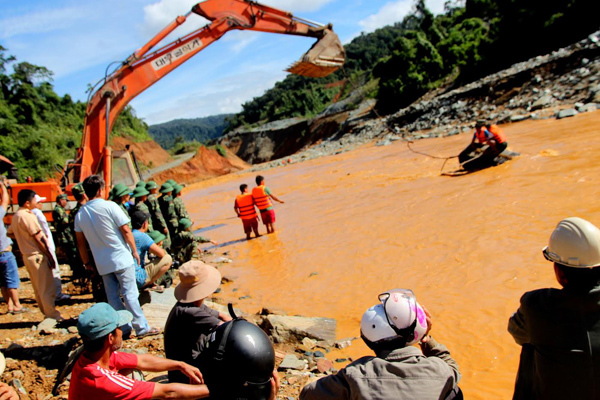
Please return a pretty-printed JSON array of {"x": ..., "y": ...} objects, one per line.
[
  {"x": 104, "y": 226},
  {"x": 147, "y": 273}
]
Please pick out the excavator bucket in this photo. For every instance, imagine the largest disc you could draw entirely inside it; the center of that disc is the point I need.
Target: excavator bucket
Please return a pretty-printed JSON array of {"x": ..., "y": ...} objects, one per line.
[{"x": 324, "y": 57}]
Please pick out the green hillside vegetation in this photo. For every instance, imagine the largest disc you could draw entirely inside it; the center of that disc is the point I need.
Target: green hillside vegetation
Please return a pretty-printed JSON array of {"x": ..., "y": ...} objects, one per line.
[
  {"x": 40, "y": 129},
  {"x": 423, "y": 52},
  {"x": 181, "y": 134}
]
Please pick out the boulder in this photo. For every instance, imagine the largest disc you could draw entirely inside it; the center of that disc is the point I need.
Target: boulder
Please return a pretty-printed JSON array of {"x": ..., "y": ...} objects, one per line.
[
  {"x": 290, "y": 361},
  {"x": 587, "y": 107},
  {"x": 571, "y": 112},
  {"x": 286, "y": 329},
  {"x": 595, "y": 94},
  {"x": 47, "y": 326},
  {"x": 542, "y": 102},
  {"x": 518, "y": 118}
]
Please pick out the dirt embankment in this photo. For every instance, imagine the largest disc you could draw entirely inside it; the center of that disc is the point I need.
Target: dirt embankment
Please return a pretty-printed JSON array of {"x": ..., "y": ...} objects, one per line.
[
  {"x": 148, "y": 153},
  {"x": 207, "y": 163}
]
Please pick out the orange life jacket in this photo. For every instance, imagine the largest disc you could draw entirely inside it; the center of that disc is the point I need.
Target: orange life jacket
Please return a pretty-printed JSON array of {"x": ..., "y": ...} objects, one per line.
[
  {"x": 496, "y": 132},
  {"x": 245, "y": 204},
  {"x": 261, "y": 199}
]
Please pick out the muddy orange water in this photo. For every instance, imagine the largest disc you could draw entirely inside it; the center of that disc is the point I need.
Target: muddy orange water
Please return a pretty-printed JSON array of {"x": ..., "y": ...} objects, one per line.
[{"x": 358, "y": 223}]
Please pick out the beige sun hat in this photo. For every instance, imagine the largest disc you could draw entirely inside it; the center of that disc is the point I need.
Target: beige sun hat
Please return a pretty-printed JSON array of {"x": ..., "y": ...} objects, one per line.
[{"x": 198, "y": 281}]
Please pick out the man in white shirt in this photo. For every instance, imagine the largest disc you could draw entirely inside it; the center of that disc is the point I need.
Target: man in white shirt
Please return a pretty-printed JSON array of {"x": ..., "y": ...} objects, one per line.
[{"x": 104, "y": 226}]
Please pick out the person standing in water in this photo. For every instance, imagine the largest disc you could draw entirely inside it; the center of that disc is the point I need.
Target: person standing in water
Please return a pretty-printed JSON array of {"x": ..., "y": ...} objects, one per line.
[
  {"x": 262, "y": 198},
  {"x": 244, "y": 208}
]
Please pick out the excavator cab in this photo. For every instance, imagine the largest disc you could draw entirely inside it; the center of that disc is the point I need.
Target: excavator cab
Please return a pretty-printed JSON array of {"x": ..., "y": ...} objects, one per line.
[{"x": 123, "y": 169}]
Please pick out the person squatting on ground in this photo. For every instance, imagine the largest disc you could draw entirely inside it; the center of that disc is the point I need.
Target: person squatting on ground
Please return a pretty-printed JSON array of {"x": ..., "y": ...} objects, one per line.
[
  {"x": 96, "y": 372},
  {"x": 36, "y": 253},
  {"x": 191, "y": 321},
  {"x": 262, "y": 198},
  {"x": 9, "y": 273},
  {"x": 147, "y": 273},
  {"x": 559, "y": 329},
  {"x": 103, "y": 225},
  {"x": 39, "y": 214},
  {"x": 185, "y": 243},
  {"x": 399, "y": 370},
  {"x": 244, "y": 208}
]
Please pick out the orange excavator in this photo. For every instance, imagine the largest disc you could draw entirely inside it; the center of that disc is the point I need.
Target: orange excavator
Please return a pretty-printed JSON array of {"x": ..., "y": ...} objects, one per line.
[{"x": 146, "y": 66}]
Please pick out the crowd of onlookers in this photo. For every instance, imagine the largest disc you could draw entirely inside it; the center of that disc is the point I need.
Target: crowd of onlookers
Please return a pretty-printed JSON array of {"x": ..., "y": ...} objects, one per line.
[{"x": 132, "y": 245}]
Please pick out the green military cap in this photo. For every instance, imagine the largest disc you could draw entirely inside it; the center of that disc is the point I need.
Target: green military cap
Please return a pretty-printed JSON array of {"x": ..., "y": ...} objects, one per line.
[
  {"x": 140, "y": 191},
  {"x": 120, "y": 190},
  {"x": 140, "y": 183},
  {"x": 172, "y": 182},
  {"x": 61, "y": 196},
  {"x": 77, "y": 189},
  {"x": 166, "y": 188},
  {"x": 151, "y": 185},
  {"x": 177, "y": 188},
  {"x": 185, "y": 223},
  {"x": 157, "y": 236}
]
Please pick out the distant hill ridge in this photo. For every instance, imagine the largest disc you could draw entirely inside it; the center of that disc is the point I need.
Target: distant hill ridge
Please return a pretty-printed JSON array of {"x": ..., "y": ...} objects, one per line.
[{"x": 201, "y": 130}]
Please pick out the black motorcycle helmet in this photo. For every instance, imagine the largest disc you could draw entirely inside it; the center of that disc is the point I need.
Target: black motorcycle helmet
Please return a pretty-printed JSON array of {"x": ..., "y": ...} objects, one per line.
[{"x": 237, "y": 362}]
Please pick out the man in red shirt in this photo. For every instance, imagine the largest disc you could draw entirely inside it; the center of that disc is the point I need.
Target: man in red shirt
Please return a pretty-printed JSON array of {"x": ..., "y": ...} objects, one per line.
[{"x": 96, "y": 372}]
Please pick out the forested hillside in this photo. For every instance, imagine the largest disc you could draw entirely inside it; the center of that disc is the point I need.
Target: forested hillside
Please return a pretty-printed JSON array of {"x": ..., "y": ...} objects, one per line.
[
  {"x": 423, "y": 52},
  {"x": 39, "y": 128},
  {"x": 180, "y": 131}
]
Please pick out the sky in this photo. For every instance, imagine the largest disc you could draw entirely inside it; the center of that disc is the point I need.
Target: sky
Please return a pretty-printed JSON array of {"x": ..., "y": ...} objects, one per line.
[{"x": 77, "y": 40}]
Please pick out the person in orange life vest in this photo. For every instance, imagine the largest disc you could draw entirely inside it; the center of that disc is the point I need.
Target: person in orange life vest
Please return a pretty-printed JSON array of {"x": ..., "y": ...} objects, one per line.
[
  {"x": 491, "y": 135},
  {"x": 244, "y": 208},
  {"x": 262, "y": 198},
  {"x": 485, "y": 135}
]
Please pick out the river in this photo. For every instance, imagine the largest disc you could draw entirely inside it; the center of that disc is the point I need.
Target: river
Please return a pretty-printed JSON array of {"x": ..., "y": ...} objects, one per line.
[{"x": 358, "y": 223}]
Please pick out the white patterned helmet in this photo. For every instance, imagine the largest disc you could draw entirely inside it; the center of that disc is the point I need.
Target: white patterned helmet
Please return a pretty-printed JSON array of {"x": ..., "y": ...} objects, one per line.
[{"x": 398, "y": 316}]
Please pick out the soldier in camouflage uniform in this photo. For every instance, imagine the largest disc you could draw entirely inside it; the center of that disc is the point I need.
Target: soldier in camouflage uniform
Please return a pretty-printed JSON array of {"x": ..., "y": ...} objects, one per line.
[
  {"x": 180, "y": 209},
  {"x": 168, "y": 208},
  {"x": 158, "y": 221},
  {"x": 121, "y": 195},
  {"x": 64, "y": 235},
  {"x": 81, "y": 198},
  {"x": 185, "y": 243},
  {"x": 140, "y": 194}
]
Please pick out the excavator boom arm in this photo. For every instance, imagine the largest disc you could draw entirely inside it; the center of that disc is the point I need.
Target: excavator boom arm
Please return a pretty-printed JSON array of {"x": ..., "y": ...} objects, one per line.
[{"x": 142, "y": 69}]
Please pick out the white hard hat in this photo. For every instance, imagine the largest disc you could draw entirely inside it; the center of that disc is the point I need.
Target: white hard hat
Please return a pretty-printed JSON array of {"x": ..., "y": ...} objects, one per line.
[
  {"x": 574, "y": 243},
  {"x": 398, "y": 315}
]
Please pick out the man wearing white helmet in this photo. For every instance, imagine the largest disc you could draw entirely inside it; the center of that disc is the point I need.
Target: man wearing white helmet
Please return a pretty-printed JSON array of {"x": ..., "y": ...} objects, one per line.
[
  {"x": 399, "y": 370},
  {"x": 559, "y": 329}
]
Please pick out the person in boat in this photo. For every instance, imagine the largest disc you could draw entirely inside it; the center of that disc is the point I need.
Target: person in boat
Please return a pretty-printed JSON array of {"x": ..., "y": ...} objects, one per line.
[
  {"x": 487, "y": 137},
  {"x": 398, "y": 370},
  {"x": 559, "y": 329}
]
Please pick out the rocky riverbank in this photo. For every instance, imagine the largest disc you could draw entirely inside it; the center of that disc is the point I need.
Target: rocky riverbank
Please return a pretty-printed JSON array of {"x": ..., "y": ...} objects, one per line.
[
  {"x": 36, "y": 351},
  {"x": 557, "y": 85}
]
